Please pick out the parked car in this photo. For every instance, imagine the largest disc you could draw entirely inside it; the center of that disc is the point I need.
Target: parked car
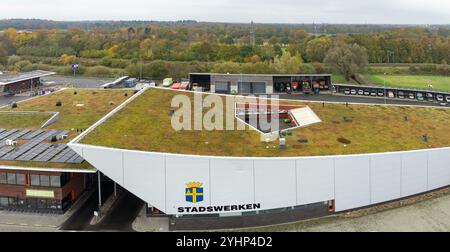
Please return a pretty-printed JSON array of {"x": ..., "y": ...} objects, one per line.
[
  {"x": 391, "y": 94},
  {"x": 430, "y": 96},
  {"x": 360, "y": 92},
  {"x": 412, "y": 96},
  {"x": 401, "y": 94},
  {"x": 380, "y": 93},
  {"x": 447, "y": 98},
  {"x": 373, "y": 93},
  {"x": 185, "y": 85},
  {"x": 440, "y": 98},
  {"x": 420, "y": 97},
  {"x": 176, "y": 85},
  {"x": 353, "y": 91},
  {"x": 167, "y": 82},
  {"x": 347, "y": 91},
  {"x": 366, "y": 92}
]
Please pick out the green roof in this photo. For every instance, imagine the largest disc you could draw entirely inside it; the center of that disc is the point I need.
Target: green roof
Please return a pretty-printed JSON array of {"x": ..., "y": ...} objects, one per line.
[
  {"x": 145, "y": 125},
  {"x": 80, "y": 109}
]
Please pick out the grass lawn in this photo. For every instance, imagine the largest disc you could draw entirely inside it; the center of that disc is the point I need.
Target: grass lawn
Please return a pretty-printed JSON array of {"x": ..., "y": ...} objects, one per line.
[
  {"x": 337, "y": 78},
  {"x": 145, "y": 125},
  {"x": 413, "y": 81},
  {"x": 78, "y": 111},
  {"x": 23, "y": 121}
]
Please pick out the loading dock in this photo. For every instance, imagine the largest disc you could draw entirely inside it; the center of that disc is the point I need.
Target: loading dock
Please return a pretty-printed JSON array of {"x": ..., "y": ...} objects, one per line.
[{"x": 260, "y": 83}]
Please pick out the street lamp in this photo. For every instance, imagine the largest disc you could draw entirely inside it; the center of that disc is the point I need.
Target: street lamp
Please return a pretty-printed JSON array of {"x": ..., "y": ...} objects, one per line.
[{"x": 385, "y": 93}]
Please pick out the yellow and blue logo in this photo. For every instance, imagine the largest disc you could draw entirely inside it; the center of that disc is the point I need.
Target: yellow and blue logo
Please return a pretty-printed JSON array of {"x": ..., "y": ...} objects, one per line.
[{"x": 194, "y": 192}]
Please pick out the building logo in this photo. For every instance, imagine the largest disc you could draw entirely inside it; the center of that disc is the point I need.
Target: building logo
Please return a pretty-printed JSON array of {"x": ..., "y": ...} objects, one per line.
[{"x": 194, "y": 192}]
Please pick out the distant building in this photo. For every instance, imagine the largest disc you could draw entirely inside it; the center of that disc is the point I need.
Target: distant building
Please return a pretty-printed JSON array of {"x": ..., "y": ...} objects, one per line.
[
  {"x": 260, "y": 83},
  {"x": 11, "y": 84}
]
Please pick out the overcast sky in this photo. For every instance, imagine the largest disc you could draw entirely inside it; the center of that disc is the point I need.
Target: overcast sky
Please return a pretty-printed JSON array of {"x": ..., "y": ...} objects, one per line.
[{"x": 261, "y": 11}]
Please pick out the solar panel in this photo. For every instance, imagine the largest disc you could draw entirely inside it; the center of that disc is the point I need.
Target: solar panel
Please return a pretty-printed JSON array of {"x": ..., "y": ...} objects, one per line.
[
  {"x": 50, "y": 153},
  {"x": 1, "y": 130},
  {"x": 32, "y": 134},
  {"x": 76, "y": 159},
  {"x": 28, "y": 156},
  {"x": 65, "y": 155},
  {"x": 26, "y": 147},
  {"x": 7, "y": 133},
  {"x": 5, "y": 150}
]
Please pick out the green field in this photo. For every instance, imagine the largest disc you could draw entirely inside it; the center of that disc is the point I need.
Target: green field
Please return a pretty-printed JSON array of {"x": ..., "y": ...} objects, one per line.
[{"x": 441, "y": 83}]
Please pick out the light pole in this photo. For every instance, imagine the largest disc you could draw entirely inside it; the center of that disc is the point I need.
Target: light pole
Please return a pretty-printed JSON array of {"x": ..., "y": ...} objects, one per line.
[{"x": 385, "y": 93}]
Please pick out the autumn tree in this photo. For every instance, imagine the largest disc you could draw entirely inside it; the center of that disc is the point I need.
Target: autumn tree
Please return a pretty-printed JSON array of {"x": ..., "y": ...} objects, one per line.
[
  {"x": 317, "y": 49},
  {"x": 68, "y": 59},
  {"x": 347, "y": 59},
  {"x": 287, "y": 64}
]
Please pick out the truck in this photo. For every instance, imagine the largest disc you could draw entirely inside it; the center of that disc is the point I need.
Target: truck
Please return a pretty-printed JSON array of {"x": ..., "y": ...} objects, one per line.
[{"x": 307, "y": 89}]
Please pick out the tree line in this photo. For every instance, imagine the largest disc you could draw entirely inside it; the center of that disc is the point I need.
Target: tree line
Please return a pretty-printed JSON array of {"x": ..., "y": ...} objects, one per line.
[{"x": 219, "y": 46}]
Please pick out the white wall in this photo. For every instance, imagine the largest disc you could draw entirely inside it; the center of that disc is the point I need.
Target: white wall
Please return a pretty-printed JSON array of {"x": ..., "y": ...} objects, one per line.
[{"x": 353, "y": 181}]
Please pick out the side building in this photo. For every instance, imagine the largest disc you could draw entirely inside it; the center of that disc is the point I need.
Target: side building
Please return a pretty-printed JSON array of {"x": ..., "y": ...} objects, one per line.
[
  {"x": 16, "y": 83},
  {"x": 260, "y": 83}
]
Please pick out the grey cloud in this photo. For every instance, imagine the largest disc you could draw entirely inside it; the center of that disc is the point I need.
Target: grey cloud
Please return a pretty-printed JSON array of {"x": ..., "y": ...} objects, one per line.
[{"x": 280, "y": 11}]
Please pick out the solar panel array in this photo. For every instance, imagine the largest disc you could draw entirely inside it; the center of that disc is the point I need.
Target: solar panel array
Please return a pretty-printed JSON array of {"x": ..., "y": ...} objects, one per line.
[
  {"x": 50, "y": 153},
  {"x": 7, "y": 133},
  {"x": 14, "y": 136},
  {"x": 34, "y": 152},
  {"x": 65, "y": 155},
  {"x": 32, "y": 135},
  {"x": 37, "y": 149}
]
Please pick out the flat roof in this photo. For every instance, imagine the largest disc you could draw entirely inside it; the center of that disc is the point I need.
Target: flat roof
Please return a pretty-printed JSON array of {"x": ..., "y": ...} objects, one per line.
[
  {"x": 271, "y": 75},
  {"x": 9, "y": 78},
  {"x": 80, "y": 109},
  {"x": 145, "y": 125}
]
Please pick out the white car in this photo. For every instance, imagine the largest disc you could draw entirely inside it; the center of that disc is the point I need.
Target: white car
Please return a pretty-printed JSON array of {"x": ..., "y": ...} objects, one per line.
[
  {"x": 447, "y": 98},
  {"x": 353, "y": 92},
  {"x": 440, "y": 98},
  {"x": 360, "y": 92}
]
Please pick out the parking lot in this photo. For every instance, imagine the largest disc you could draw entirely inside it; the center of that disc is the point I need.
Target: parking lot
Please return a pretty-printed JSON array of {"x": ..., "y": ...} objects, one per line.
[{"x": 441, "y": 98}]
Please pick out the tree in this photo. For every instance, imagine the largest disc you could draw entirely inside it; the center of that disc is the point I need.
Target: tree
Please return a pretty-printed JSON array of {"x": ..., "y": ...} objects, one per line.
[
  {"x": 347, "y": 59},
  {"x": 287, "y": 64},
  {"x": 317, "y": 49},
  {"x": 68, "y": 59}
]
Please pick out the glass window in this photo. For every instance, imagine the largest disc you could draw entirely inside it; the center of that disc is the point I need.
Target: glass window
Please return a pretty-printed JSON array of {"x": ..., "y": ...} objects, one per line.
[
  {"x": 34, "y": 179},
  {"x": 55, "y": 181},
  {"x": 31, "y": 203},
  {"x": 42, "y": 203},
  {"x": 11, "y": 178},
  {"x": 45, "y": 180},
  {"x": 20, "y": 179},
  {"x": 3, "y": 201},
  {"x": 3, "y": 178},
  {"x": 12, "y": 201}
]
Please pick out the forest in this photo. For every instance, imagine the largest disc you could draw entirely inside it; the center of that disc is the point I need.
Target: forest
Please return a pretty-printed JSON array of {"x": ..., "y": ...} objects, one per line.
[{"x": 157, "y": 49}]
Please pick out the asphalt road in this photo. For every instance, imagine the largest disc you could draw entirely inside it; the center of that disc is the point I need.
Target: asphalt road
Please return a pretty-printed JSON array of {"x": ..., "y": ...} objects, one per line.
[
  {"x": 80, "y": 220},
  {"x": 11, "y": 99},
  {"x": 118, "y": 219},
  {"x": 122, "y": 214},
  {"x": 77, "y": 82}
]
